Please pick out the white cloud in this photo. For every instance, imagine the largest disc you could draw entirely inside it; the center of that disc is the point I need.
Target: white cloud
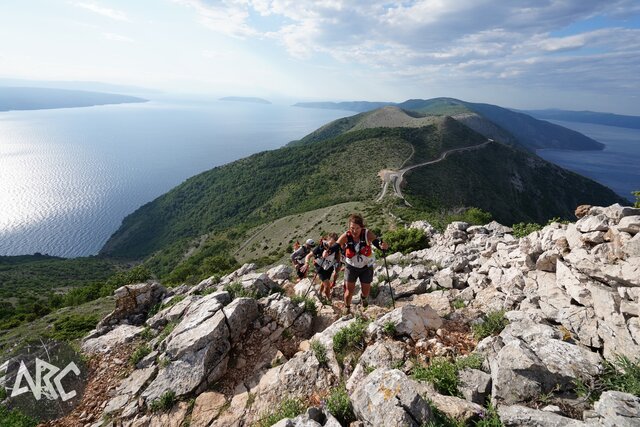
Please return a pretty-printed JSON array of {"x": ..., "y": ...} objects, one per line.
[
  {"x": 117, "y": 37},
  {"x": 464, "y": 41},
  {"x": 104, "y": 11}
]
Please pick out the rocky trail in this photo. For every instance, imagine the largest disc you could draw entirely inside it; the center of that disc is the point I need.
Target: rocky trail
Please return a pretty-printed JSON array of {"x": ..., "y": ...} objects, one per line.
[{"x": 234, "y": 352}]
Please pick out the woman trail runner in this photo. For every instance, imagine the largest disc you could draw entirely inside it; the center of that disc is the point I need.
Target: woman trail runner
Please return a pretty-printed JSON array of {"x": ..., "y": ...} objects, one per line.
[{"x": 359, "y": 259}]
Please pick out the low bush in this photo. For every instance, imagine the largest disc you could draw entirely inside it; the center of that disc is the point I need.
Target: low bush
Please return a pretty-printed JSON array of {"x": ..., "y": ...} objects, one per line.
[
  {"x": 406, "y": 240},
  {"x": 389, "y": 328},
  {"x": 621, "y": 375},
  {"x": 320, "y": 351},
  {"x": 164, "y": 403},
  {"x": 289, "y": 408},
  {"x": 309, "y": 304},
  {"x": 491, "y": 324},
  {"x": 15, "y": 418},
  {"x": 522, "y": 229},
  {"x": 139, "y": 354},
  {"x": 349, "y": 338},
  {"x": 442, "y": 373},
  {"x": 339, "y": 405}
]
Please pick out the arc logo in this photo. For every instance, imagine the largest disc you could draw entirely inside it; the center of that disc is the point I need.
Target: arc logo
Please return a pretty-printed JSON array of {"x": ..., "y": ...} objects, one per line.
[
  {"x": 44, "y": 380},
  {"x": 47, "y": 382}
]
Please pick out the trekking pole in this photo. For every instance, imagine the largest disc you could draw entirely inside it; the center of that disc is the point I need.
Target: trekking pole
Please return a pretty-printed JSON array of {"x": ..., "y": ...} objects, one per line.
[
  {"x": 311, "y": 285},
  {"x": 384, "y": 256}
]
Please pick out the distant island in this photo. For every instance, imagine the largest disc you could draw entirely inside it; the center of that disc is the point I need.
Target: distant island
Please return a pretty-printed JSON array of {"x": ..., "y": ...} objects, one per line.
[
  {"x": 250, "y": 99},
  {"x": 36, "y": 98}
]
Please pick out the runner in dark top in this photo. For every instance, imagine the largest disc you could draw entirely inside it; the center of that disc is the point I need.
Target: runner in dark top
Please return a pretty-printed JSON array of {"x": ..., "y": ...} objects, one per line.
[
  {"x": 325, "y": 257},
  {"x": 298, "y": 258}
]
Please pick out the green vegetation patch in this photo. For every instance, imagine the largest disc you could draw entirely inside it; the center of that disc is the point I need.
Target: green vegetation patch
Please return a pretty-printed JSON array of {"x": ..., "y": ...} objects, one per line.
[
  {"x": 288, "y": 408},
  {"x": 443, "y": 372},
  {"x": 406, "y": 240},
  {"x": 350, "y": 339},
  {"x": 492, "y": 323},
  {"x": 320, "y": 351},
  {"x": 339, "y": 405},
  {"x": 622, "y": 374},
  {"x": 309, "y": 304},
  {"x": 73, "y": 326},
  {"x": 164, "y": 403}
]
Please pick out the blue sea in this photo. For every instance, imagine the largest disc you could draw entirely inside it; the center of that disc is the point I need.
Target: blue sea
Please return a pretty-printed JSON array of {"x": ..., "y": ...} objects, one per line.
[
  {"x": 68, "y": 177},
  {"x": 617, "y": 166}
]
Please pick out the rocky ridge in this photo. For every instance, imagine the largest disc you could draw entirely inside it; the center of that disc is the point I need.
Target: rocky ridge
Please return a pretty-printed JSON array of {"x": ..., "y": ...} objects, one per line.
[{"x": 570, "y": 293}]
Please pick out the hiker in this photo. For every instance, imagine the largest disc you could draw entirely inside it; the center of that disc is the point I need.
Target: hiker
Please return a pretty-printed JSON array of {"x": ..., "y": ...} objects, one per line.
[
  {"x": 359, "y": 259},
  {"x": 298, "y": 258},
  {"x": 325, "y": 258}
]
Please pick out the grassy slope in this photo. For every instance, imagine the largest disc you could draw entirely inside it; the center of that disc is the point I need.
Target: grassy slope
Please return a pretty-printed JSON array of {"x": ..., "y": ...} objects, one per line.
[{"x": 14, "y": 338}]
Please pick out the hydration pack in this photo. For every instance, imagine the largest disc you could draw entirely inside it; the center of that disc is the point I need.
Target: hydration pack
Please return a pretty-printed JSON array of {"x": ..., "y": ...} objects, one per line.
[{"x": 360, "y": 248}]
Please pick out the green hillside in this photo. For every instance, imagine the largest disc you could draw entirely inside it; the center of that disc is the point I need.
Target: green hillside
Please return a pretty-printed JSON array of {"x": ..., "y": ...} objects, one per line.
[
  {"x": 211, "y": 214},
  {"x": 511, "y": 184}
]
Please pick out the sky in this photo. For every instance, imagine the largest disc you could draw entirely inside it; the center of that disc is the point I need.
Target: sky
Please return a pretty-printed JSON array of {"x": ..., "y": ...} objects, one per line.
[{"x": 570, "y": 54}]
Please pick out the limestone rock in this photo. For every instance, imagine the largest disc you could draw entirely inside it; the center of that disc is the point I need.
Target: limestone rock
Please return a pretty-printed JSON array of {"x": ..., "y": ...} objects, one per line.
[
  {"x": 582, "y": 210},
  {"x": 615, "y": 409},
  {"x": 381, "y": 354},
  {"x": 410, "y": 320},
  {"x": 280, "y": 272},
  {"x": 170, "y": 314},
  {"x": 519, "y": 416},
  {"x": 388, "y": 397},
  {"x": 132, "y": 303},
  {"x": 103, "y": 344},
  {"x": 312, "y": 418},
  {"x": 207, "y": 407},
  {"x": 475, "y": 385}
]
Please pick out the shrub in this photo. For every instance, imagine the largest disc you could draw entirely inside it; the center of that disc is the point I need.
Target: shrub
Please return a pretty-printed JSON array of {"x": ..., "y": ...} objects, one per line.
[
  {"x": 490, "y": 417},
  {"x": 289, "y": 408},
  {"x": 139, "y": 354},
  {"x": 3, "y": 393},
  {"x": 389, "y": 328},
  {"x": 164, "y": 403},
  {"x": 621, "y": 375},
  {"x": 339, "y": 404},
  {"x": 458, "y": 304},
  {"x": 476, "y": 216},
  {"x": 637, "y": 196},
  {"x": 236, "y": 290},
  {"x": 442, "y": 373},
  {"x": 406, "y": 240},
  {"x": 491, "y": 324},
  {"x": 320, "y": 351},
  {"x": 349, "y": 338},
  {"x": 471, "y": 361},
  {"x": 309, "y": 304},
  {"x": 522, "y": 229}
]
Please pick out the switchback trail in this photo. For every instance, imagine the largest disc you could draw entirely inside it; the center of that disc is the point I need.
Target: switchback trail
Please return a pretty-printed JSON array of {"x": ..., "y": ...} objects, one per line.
[{"x": 395, "y": 177}]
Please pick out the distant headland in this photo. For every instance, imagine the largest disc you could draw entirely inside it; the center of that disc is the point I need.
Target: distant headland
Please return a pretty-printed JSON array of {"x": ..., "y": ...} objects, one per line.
[{"x": 35, "y": 98}]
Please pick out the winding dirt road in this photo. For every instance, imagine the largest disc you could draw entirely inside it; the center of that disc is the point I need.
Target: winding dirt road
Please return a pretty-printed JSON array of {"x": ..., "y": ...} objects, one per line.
[{"x": 395, "y": 177}]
